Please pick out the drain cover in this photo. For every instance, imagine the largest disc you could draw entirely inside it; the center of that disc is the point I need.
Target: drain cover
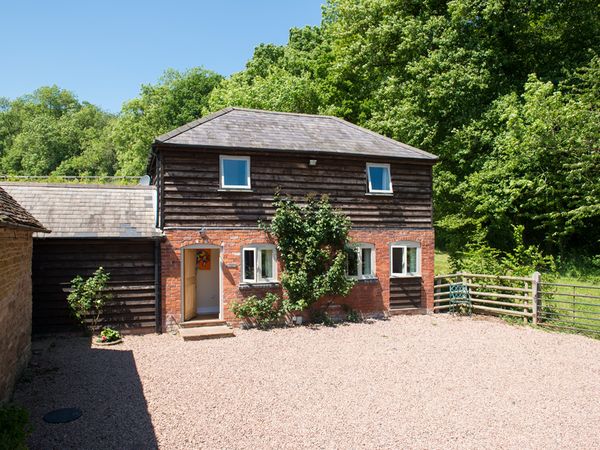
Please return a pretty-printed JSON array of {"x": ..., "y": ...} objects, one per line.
[{"x": 63, "y": 415}]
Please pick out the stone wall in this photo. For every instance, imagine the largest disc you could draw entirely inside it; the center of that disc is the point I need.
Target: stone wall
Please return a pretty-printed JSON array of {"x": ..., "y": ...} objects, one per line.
[
  {"x": 15, "y": 306},
  {"x": 369, "y": 297}
]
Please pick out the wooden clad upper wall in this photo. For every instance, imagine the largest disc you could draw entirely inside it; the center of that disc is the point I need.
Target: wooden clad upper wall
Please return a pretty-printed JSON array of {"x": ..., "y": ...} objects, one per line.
[{"x": 191, "y": 195}]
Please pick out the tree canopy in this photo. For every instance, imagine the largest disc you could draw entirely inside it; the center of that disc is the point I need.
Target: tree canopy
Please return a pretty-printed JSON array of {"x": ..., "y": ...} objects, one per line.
[{"x": 505, "y": 92}]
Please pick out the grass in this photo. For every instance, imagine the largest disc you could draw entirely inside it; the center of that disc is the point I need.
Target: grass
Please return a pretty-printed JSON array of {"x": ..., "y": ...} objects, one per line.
[{"x": 442, "y": 265}]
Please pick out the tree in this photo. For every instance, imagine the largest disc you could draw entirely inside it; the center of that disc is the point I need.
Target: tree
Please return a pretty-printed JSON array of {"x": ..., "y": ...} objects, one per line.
[{"x": 178, "y": 98}]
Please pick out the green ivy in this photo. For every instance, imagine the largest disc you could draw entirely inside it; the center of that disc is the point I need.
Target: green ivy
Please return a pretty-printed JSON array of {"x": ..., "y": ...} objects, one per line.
[{"x": 312, "y": 241}]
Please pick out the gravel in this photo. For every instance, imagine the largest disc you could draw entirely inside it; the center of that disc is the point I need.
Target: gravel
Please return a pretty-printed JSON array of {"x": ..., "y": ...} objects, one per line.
[{"x": 410, "y": 382}]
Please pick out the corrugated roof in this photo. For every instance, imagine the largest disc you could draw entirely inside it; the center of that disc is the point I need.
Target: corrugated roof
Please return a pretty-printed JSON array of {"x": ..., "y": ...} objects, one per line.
[
  {"x": 74, "y": 210},
  {"x": 13, "y": 215},
  {"x": 256, "y": 129}
]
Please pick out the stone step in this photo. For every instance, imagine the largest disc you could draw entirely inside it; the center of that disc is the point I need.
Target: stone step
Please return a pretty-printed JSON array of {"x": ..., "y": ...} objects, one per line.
[
  {"x": 198, "y": 333},
  {"x": 407, "y": 311},
  {"x": 202, "y": 323}
]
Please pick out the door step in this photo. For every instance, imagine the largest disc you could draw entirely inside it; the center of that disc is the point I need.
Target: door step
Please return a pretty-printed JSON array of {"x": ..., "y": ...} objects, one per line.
[
  {"x": 206, "y": 332},
  {"x": 407, "y": 311},
  {"x": 202, "y": 323}
]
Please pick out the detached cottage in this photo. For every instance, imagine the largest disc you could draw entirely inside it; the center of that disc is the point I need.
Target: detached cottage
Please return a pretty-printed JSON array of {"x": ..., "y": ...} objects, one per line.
[{"x": 217, "y": 176}]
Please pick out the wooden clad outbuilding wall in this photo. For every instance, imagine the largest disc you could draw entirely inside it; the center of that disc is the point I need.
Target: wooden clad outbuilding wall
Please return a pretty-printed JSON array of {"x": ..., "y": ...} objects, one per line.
[
  {"x": 190, "y": 194},
  {"x": 131, "y": 264},
  {"x": 405, "y": 293}
]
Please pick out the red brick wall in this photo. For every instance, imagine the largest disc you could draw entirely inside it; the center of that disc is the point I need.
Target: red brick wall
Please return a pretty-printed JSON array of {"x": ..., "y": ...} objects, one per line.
[
  {"x": 367, "y": 297},
  {"x": 15, "y": 306}
]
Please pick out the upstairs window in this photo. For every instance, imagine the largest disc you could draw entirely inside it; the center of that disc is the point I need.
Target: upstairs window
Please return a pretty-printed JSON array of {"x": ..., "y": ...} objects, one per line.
[
  {"x": 361, "y": 261},
  {"x": 405, "y": 259},
  {"x": 259, "y": 264},
  {"x": 380, "y": 181},
  {"x": 235, "y": 172}
]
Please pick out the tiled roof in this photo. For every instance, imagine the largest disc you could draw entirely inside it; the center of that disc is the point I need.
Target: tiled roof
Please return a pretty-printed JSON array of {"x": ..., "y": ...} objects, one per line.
[
  {"x": 257, "y": 129},
  {"x": 13, "y": 215},
  {"x": 73, "y": 210}
]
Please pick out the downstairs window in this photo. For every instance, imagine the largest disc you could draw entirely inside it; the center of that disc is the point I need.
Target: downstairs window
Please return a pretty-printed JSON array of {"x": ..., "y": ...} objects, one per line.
[{"x": 259, "y": 264}]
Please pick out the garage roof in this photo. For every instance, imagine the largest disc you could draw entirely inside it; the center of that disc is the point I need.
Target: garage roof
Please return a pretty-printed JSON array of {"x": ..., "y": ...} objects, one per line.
[{"x": 89, "y": 211}]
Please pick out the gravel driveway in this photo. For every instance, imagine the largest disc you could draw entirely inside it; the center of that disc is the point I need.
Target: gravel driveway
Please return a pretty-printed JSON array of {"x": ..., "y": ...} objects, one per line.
[{"x": 410, "y": 382}]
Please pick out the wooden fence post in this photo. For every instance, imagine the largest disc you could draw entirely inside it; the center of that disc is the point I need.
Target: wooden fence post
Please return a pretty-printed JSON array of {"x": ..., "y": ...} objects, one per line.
[{"x": 535, "y": 296}]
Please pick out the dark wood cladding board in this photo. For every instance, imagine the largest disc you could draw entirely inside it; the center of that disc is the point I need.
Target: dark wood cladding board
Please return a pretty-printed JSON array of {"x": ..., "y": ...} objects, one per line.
[
  {"x": 191, "y": 197},
  {"x": 405, "y": 292},
  {"x": 132, "y": 281}
]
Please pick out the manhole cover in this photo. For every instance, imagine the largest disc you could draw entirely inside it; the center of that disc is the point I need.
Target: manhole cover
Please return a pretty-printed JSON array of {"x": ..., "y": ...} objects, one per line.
[{"x": 63, "y": 415}]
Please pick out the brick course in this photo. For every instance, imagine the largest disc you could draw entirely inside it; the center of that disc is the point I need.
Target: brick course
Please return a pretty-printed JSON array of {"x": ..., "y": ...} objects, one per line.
[
  {"x": 15, "y": 306},
  {"x": 370, "y": 297}
]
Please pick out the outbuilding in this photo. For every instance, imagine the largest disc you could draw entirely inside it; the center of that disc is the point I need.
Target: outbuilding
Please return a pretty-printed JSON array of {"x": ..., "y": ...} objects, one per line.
[
  {"x": 16, "y": 229},
  {"x": 109, "y": 226}
]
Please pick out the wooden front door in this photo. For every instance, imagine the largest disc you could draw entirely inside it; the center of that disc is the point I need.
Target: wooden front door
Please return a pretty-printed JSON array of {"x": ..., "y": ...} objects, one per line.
[{"x": 189, "y": 283}]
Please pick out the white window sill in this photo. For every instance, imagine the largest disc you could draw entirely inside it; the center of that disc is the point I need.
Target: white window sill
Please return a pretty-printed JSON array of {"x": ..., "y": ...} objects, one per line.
[
  {"x": 416, "y": 275},
  {"x": 226, "y": 189},
  {"x": 259, "y": 284},
  {"x": 384, "y": 194}
]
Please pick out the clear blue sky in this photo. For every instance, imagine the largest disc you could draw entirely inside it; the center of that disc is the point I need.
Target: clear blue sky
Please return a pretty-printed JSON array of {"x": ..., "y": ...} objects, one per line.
[{"x": 104, "y": 50}]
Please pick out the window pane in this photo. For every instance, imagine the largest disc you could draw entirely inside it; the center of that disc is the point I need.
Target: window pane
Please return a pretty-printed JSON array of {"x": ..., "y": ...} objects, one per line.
[
  {"x": 234, "y": 172},
  {"x": 411, "y": 259},
  {"x": 397, "y": 257},
  {"x": 352, "y": 263},
  {"x": 266, "y": 264},
  {"x": 367, "y": 270},
  {"x": 380, "y": 178},
  {"x": 248, "y": 264}
]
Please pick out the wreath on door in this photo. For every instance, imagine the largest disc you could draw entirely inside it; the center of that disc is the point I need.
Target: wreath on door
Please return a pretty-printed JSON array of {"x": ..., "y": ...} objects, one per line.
[{"x": 203, "y": 259}]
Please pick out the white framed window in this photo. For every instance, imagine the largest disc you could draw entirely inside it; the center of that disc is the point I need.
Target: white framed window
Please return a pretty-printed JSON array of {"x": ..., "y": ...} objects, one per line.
[
  {"x": 235, "y": 172},
  {"x": 405, "y": 259},
  {"x": 379, "y": 178},
  {"x": 361, "y": 261},
  {"x": 259, "y": 264}
]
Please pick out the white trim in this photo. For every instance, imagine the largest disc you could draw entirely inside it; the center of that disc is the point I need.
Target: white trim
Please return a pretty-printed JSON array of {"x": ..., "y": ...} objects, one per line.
[
  {"x": 244, "y": 250},
  {"x": 222, "y": 175},
  {"x": 379, "y": 191},
  {"x": 360, "y": 276},
  {"x": 405, "y": 245},
  {"x": 257, "y": 249}
]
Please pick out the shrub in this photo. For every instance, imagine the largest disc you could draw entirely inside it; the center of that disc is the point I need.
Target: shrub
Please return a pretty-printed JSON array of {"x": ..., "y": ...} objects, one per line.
[
  {"x": 14, "y": 427},
  {"x": 262, "y": 311},
  {"x": 523, "y": 260},
  {"x": 322, "y": 317},
  {"x": 87, "y": 297}
]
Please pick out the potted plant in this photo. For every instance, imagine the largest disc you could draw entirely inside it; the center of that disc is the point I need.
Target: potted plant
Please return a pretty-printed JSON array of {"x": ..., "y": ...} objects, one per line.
[{"x": 109, "y": 336}]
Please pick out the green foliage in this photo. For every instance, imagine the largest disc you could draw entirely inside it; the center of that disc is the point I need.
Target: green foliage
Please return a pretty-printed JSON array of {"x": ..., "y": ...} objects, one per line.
[
  {"x": 311, "y": 240},
  {"x": 178, "y": 98},
  {"x": 14, "y": 427},
  {"x": 320, "y": 316},
  {"x": 262, "y": 311},
  {"x": 51, "y": 132},
  {"x": 87, "y": 297},
  {"x": 109, "y": 335},
  {"x": 480, "y": 258}
]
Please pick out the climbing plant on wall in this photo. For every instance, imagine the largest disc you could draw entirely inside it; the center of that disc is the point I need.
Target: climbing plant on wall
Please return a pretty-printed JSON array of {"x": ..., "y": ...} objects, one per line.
[{"x": 312, "y": 240}]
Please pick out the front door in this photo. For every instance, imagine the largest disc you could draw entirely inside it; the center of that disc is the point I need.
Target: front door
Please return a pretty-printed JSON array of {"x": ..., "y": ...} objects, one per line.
[
  {"x": 207, "y": 282},
  {"x": 201, "y": 283}
]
